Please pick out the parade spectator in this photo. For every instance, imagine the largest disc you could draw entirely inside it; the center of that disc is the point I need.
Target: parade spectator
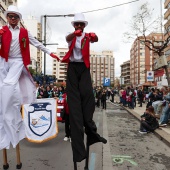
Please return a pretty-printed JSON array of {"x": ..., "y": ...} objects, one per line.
[
  {"x": 103, "y": 99},
  {"x": 61, "y": 91},
  {"x": 148, "y": 121},
  {"x": 136, "y": 96},
  {"x": 55, "y": 92},
  {"x": 15, "y": 79},
  {"x": 98, "y": 96},
  {"x": 67, "y": 119},
  {"x": 151, "y": 97},
  {"x": 124, "y": 97},
  {"x": 132, "y": 95},
  {"x": 165, "y": 112},
  {"x": 140, "y": 96},
  {"x": 112, "y": 95},
  {"x": 37, "y": 85},
  {"x": 120, "y": 95},
  {"x": 49, "y": 91},
  {"x": 79, "y": 88}
]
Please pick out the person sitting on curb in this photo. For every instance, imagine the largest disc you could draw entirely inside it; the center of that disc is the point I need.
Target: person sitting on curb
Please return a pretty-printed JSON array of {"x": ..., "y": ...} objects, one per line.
[
  {"x": 165, "y": 112},
  {"x": 148, "y": 121}
]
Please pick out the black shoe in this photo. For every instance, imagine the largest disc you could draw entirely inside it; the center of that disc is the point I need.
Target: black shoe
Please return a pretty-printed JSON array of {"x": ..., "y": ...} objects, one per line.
[{"x": 103, "y": 140}]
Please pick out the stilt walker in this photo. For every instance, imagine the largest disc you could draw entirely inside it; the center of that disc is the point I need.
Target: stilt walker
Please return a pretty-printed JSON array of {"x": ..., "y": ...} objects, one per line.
[
  {"x": 80, "y": 95},
  {"x": 16, "y": 84}
]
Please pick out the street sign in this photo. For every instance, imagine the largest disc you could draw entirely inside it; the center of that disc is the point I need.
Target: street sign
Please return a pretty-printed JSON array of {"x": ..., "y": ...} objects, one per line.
[
  {"x": 150, "y": 76},
  {"x": 106, "y": 82}
]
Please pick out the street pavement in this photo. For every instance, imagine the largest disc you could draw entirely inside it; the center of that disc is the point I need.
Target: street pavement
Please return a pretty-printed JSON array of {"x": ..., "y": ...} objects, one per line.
[
  {"x": 57, "y": 154},
  {"x": 163, "y": 133}
]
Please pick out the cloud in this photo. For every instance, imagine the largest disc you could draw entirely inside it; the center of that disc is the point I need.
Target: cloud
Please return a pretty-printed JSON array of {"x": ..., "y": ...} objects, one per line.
[{"x": 109, "y": 24}]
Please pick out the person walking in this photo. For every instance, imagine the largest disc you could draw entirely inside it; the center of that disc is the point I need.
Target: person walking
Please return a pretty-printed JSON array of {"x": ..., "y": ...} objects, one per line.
[
  {"x": 15, "y": 79},
  {"x": 140, "y": 96},
  {"x": 103, "y": 99},
  {"x": 67, "y": 119},
  {"x": 79, "y": 88}
]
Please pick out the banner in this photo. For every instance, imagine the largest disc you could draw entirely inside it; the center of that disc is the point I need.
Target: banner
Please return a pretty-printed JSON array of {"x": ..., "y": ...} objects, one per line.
[{"x": 40, "y": 120}]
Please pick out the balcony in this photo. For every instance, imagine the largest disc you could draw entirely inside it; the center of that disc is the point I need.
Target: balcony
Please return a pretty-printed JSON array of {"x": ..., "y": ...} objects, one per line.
[
  {"x": 167, "y": 24},
  {"x": 3, "y": 5},
  {"x": 166, "y": 4},
  {"x": 166, "y": 14},
  {"x": 3, "y": 16}
]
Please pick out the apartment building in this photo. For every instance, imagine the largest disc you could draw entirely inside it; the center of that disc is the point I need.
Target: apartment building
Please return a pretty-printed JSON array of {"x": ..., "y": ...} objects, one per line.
[
  {"x": 102, "y": 65},
  {"x": 167, "y": 30},
  {"x": 125, "y": 72},
  {"x": 35, "y": 28},
  {"x": 60, "y": 69},
  {"x": 141, "y": 58}
]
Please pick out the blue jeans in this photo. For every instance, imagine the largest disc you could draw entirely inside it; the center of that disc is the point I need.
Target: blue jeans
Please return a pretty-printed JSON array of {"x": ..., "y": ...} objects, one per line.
[
  {"x": 124, "y": 102},
  {"x": 132, "y": 102},
  {"x": 165, "y": 114}
]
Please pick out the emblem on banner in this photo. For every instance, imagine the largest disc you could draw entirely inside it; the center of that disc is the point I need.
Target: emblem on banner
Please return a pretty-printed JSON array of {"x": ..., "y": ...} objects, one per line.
[{"x": 40, "y": 119}]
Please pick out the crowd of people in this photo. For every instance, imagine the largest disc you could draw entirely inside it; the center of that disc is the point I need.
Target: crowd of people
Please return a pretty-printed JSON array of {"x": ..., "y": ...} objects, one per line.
[{"x": 157, "y": 105}]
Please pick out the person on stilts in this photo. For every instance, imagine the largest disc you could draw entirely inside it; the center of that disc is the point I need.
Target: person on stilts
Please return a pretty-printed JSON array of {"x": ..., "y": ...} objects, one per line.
[
  {"x": 16, "y": 83},
  {"x": 80, "y": 95}
]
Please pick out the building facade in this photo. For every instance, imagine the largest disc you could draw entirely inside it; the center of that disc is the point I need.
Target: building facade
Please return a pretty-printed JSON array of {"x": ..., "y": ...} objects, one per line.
[
  {"x": 101, "y": 65},
  {"x": 141, "y": 58},
  {"x": 167, "y": 30},
  {"x": 3, "y": 7},
  {"x": 35, "y": 29},
  {"x": 60, "y": 69},
  {"x": 125, "y": 72}
]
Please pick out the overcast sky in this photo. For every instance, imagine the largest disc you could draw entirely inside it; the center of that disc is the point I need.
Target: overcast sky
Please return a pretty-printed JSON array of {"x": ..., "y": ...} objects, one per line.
[{"x": 108, "y": 24}]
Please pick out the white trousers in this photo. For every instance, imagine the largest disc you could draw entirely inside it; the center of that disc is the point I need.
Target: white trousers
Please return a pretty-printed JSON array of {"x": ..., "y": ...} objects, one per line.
[{"x": 12, "y": 129}]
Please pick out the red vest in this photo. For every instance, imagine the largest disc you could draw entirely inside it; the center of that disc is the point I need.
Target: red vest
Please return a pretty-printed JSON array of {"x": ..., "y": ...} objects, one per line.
[
  {"x": 24, "y": 44},
  {"x": 85, "y": 48}
]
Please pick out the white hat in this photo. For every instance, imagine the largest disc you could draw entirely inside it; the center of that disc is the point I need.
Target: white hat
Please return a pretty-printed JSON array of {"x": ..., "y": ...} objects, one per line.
[
  {"x": 79, "y": 17},
  {"x": 13, "y": 9}
]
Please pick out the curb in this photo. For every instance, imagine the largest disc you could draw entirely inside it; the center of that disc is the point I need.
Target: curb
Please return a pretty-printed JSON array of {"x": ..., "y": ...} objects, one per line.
[
  {"x": 160, "y": 133},
  {"x": 107, "y": 162}
]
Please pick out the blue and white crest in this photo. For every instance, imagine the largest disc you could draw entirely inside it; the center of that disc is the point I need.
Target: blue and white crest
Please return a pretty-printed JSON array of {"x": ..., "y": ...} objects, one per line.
[{"x": 40, "y": 118}]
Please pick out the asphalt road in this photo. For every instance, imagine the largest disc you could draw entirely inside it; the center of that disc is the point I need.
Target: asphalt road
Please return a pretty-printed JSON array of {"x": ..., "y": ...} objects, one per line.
[
  {"x": 55, "y": 154},
  {"x": 131, "y": 150}
]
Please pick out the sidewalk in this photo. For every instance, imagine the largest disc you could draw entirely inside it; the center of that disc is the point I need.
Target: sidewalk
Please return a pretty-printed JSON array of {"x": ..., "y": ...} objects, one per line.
[{"x": 163, "y": 132}]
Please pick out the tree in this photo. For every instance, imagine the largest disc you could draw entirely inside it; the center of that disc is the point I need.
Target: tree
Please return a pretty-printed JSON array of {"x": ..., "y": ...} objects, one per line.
[{"x": 141, "y": 25}]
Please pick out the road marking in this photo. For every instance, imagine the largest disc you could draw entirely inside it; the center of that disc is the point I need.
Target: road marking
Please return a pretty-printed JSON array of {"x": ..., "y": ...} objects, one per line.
[
  {"x": 119, "y": 159},
  {"x": 92, "y": 161}
]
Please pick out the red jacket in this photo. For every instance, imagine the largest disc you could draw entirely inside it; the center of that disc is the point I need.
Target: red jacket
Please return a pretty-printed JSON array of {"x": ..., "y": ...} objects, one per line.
[
  {"x": 24, "y": 44},
  {"x": 85, "y": 48},
  {"x": 65, "y": 103}
]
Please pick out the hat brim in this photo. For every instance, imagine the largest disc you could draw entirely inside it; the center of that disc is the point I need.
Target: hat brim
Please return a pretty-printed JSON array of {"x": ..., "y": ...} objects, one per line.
[
  {"x": 7, "y": 12},
  {"x": 86, "y": 23}
]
